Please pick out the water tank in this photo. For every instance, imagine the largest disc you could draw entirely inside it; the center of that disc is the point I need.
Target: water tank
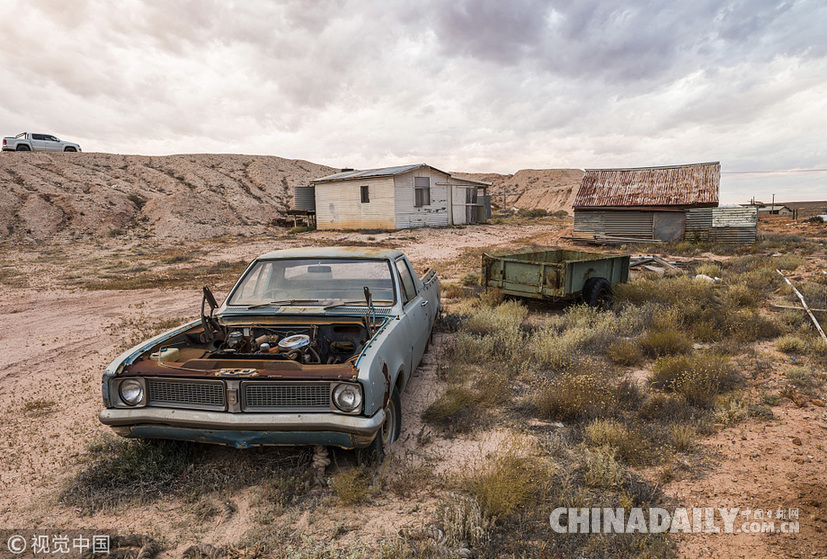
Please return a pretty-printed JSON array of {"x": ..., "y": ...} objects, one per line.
[{"x": 305, "y": 198}]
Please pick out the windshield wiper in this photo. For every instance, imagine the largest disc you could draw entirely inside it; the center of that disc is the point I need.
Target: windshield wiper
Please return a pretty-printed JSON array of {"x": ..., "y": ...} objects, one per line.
[
  {"x": 360, "y": 302},
  {"x": 283, "y": 302}
]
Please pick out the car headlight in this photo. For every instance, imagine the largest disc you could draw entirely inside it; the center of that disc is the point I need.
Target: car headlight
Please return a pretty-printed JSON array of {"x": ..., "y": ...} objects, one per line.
[
  {"x": 131, "y": 391},
  {"x": 347, "y": 397}
]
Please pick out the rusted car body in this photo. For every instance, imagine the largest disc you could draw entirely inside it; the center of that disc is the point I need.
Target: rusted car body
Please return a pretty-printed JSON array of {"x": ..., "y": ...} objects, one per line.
[{"x": 311, "y": 346}]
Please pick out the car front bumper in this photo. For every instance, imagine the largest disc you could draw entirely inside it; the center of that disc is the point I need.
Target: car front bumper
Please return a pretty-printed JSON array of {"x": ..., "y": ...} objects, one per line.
[{"x": 243, "y": 430}]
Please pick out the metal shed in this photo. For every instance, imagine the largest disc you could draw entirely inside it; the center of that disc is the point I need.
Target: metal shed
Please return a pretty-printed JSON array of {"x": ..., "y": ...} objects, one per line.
[{"x": 645, "y": 202}]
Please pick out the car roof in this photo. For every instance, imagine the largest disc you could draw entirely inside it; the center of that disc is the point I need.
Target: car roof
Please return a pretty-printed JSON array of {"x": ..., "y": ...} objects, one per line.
[{"x": 333, "y": 252}]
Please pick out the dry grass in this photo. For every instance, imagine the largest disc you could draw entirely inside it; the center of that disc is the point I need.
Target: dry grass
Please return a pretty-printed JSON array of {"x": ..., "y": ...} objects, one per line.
[
  {"x": 698, "y": 377},
  {"x": 351, "y": 486}
]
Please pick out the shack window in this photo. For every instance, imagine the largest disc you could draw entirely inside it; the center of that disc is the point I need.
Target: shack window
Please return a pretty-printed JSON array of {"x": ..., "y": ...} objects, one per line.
[
  {"x": 422, "y": 191},
  {"x": 365, "y": 194}
]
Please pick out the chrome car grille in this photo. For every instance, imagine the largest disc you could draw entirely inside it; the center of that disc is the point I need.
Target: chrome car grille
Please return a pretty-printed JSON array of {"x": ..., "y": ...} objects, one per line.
[
  {"x": 261, "y": 396},
  {"x": 186, "y": 393}
]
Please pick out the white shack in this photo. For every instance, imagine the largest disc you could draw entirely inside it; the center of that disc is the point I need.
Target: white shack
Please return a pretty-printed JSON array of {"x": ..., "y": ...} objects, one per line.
[{"x": 399, "y": 198}]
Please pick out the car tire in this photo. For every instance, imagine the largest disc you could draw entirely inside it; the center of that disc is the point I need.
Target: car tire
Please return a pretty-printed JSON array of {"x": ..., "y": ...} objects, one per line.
[
  {"x": 70, "y": 149},
  {"x": 374, "y": 453},
  {"x": 597, "y": 292},
  {"x": 23, "y": 148}
]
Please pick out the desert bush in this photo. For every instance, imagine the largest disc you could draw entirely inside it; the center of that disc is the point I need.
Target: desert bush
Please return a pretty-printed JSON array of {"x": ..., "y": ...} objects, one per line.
[
  {"x": 699, "y": 377},
  {"x": 455, "y": 409},
  {"x": 627, "y": 443},
  {"x": 742, "y": 295},
  {"x": 682, "y": 436},
  {"x": 532, "y": 213},
  {"x": 559, "y": 351},
  {"x": 657, "y": 343},
  {"x": 788, "y": 261},
  {"x": 666, "y": 407},
  {"x": 805, "y": 378},
  {"x": 602, "y": 470},
  {"x": 452, "y": 291},
  {"x": 572, "y": 396},
  {"x": 351, "y": 486},
  {"x": 625, "y": 352},
  {"x": 462, "y": 519},
  {"x": 814, "y": 294},
  {"x": 730, "y": 409},
  {"x": 491, "y": 320},
  {"x": 470, "y": 279},
  {"x": 709, "y": 269},
  {"x": 505, "y": 483},
  {"x": 749, "y": 326},
  {"x": 791, "y": 344}
]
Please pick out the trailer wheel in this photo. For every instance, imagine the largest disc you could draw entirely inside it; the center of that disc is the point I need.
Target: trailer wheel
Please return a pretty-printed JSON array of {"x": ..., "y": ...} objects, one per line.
[{"x": 597, "y": 292}]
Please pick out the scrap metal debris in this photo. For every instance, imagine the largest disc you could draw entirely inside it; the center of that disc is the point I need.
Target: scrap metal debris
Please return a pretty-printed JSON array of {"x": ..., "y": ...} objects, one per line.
[{"x": 803, "y": 302}]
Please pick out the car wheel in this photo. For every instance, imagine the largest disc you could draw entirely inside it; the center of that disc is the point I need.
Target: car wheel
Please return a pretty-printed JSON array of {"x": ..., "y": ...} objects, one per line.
[
  {"x": 597, "y": 292},
  {"x": 70, "y": 149},
  {"x": 375, "y": 452},
  {"x": 23, "y": 148}
]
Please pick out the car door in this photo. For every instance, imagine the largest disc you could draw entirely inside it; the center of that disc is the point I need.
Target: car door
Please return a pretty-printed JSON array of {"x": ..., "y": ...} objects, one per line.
[
  {"x": 38, "y": 142},
  {"x": 52, "y": 143},
  {"x": 417, "y": 311}
]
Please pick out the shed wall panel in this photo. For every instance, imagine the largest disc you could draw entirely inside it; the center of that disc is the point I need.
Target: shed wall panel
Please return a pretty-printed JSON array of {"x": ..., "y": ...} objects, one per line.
[
  {"x": 408, "y": 215},
  {"x": 629, "y": 224},
  {"x": 339, "y": 206},
  {"x": 587, "y": 224}
]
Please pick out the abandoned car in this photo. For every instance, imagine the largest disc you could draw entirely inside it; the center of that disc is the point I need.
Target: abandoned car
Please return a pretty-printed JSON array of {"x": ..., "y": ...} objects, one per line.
[{"x": 311, "y": 346}]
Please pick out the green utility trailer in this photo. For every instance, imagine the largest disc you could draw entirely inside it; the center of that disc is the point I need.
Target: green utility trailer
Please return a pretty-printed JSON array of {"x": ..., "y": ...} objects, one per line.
[{"x": 555, "y": 274}]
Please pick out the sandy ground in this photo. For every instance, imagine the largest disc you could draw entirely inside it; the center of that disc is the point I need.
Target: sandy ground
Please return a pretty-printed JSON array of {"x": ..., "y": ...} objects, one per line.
[{"x": 56, "y": 342}]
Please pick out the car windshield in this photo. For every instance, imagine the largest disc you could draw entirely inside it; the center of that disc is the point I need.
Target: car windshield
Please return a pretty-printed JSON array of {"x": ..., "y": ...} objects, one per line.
[{"x": 315, "y": 281}]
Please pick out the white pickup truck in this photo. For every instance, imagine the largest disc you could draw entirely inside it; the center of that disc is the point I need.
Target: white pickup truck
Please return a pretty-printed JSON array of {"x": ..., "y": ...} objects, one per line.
[{"x": 27, "y": 141}]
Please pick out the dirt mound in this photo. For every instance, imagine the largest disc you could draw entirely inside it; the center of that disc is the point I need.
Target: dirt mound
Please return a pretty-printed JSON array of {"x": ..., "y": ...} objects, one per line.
[
  {"x": 549, "y": 189},
  {"x": 46, "y": 196}
]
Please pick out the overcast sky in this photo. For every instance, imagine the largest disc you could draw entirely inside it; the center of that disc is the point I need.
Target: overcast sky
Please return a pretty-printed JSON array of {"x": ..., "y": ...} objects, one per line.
[{"x": 487, "y": 86}]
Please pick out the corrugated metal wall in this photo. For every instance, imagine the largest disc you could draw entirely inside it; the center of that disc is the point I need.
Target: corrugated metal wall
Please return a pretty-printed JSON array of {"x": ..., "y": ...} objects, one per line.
[
  {"x": 734, "y": 225},
  {"x": 629, "y": 224},
  {"x": 727, "y": 225},
  {"x": 305, "y": 198},
  {"x": 587, "y": 224},
  {"x": 698, "y": 224}
]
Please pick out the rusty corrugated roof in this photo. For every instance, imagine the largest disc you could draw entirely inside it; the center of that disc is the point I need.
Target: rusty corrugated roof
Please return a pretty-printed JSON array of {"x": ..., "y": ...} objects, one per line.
[{"x": 694, "y": 185}]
